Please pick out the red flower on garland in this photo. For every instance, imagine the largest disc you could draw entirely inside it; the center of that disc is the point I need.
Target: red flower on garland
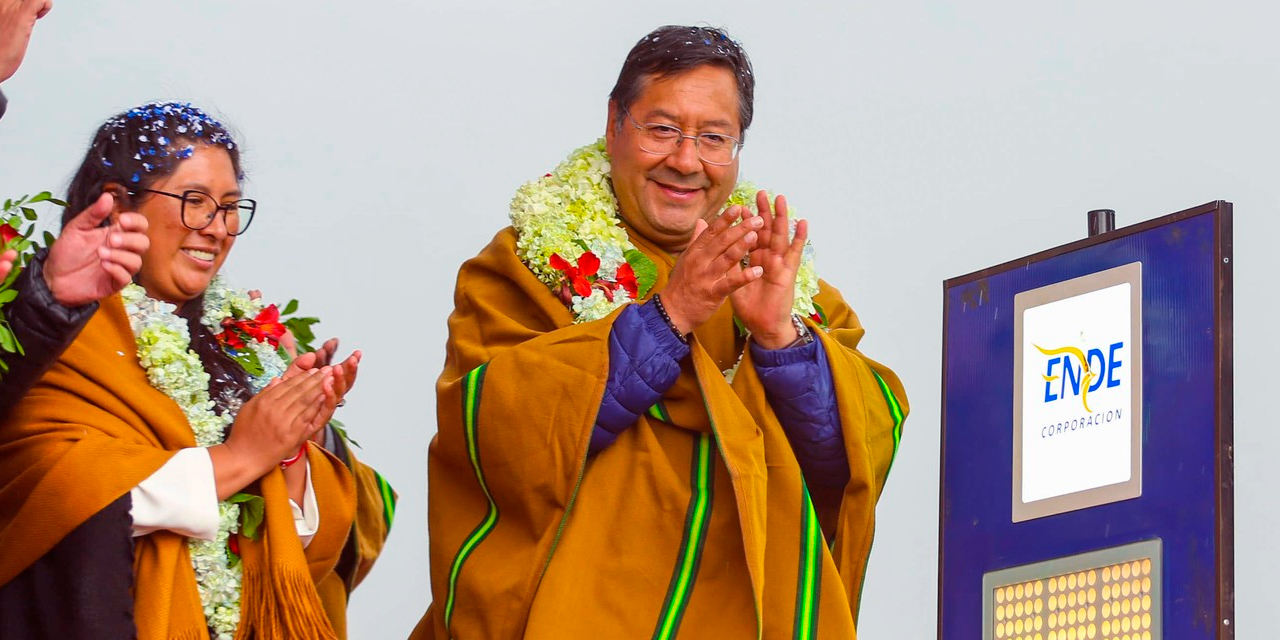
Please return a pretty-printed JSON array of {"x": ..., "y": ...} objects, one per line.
[
  {"x": 581, "y": 279},
  {"x": 576, "y": 277},
  {"x": 7, "y": 233},
  {"x": 265, "y": 327},
  {"x": 627, "y": 278}
]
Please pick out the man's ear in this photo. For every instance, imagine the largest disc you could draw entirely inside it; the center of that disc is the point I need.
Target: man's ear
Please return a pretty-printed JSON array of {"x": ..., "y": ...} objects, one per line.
[{"x": 611, "y": 127}]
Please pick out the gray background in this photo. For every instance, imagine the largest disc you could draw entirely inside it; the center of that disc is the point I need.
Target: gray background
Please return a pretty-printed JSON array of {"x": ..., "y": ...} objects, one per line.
[{"x": 924, "y": 140}]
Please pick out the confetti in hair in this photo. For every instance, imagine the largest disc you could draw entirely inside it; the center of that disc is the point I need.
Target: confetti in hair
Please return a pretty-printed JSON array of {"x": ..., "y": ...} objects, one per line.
[{"x": 166, "y": 131}]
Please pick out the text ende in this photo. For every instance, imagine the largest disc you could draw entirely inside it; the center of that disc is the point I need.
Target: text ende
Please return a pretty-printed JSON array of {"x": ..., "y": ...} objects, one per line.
[{"x": 1063, "y": 375}]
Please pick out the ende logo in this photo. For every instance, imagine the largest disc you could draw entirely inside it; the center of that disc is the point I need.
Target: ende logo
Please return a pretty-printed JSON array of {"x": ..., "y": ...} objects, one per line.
[
  {"x": 1082, "y": 376},
  {"x": 1072, "y": 372},
  {"x": 1077, "y": 392}
]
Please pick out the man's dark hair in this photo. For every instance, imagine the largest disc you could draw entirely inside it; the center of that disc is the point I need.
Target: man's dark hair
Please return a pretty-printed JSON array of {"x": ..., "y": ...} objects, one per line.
[{"x": 672, "y": 50}]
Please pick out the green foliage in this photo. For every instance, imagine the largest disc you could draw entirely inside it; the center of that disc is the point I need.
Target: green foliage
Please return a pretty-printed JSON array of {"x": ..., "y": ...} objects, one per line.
[
  {"x": 822, "y": 315},
  {"x": 20, "y": 217},
  {"x": 248, "y": 360},
  {"x": 646, "y": 272},
  {"x": 341, "y": 430},
  {"x": 252, "y": 511},
  {"x": 299, "y": 327}
]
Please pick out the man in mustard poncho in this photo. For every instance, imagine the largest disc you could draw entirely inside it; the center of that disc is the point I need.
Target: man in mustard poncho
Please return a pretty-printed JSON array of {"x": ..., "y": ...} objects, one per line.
[{"x": 653, "y": 417}]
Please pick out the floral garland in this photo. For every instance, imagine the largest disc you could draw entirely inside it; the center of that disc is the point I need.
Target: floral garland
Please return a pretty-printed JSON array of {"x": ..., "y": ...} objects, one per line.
[
  {"x": 164, "y": 350},
  {"x": 572, "y": 211}
]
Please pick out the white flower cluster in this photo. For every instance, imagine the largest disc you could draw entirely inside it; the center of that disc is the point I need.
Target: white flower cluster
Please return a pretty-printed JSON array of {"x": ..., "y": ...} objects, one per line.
[
  {"x": 164, "y": 350},
  {"x": 221, "y": 302},
  {"x": 219, "y": 584},
  {"x": 561, "y": 212},
  {"x": 574, "y": 205},
  {"x": 172, "y": 368}
]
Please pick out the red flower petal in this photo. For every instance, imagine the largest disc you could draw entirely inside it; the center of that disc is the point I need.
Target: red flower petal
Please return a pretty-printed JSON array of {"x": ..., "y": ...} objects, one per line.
[
  {"x": 627, "y": 278},
  {"x": 7, "y": 233},
  {"x": 558, "y": 263},
  {"x": 588, "y": 264},
  {"x": 581, "y": 286},
  {"x": 268, "y": 315}
]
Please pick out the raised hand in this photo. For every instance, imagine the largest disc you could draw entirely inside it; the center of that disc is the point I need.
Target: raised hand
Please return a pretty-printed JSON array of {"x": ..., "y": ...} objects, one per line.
[
  {"x": 764, "y": 304},
  {"x": 710, "y": 269},
  {"x": 88, "y": 261},
  {"x": 344, "y": 373},
  {"x": 17, "y": 20},
  {"x": 314, "y": 360},
  {"x": 272, "y": 426}
]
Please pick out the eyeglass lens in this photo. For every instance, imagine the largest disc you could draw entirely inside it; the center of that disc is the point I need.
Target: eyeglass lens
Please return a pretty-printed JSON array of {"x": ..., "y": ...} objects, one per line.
[
  {"x": 665, "y": 139},
  {"x": 199, "y": 209}
]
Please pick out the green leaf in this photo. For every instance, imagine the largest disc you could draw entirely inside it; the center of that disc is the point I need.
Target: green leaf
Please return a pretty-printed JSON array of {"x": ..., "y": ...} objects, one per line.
[
  {"x": 248, "y": 361},
  {"x": 822, "y": 315},
  {"x": 48, "y": 239},
  {"x": 30, "y": 214},
  {"x": 252, "y": 510},
  {"x": 289, "y": 308},
  {"x": 341, "y": 430},
  {"x": 646, "y": 271},
  {"x": 7, "y": 341},
  {"x": 40, "y": 197},
  {"x": 8, "y": 296},
  {"x": 301, "y": 330},
  {"x": 742, "y": 328},
  {"x": 60, "y": 203}
]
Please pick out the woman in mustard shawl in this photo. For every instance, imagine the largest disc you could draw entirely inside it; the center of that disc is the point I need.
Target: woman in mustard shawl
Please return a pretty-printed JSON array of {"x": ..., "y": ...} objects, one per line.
[{"x": 173, "y": 412}]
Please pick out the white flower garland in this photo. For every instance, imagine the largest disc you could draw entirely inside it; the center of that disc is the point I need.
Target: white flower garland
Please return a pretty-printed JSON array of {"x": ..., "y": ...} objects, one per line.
[
  {"x": 574, "y": 205},
  {"x": 164, "y": 350}
]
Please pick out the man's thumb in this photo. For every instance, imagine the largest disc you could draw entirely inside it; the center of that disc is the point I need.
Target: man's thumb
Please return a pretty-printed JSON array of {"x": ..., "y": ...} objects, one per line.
[{"x": 93, "y": 215}]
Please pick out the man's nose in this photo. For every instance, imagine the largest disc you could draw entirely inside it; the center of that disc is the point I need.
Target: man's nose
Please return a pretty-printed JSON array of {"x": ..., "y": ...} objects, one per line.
[{"x": 685, "y": 157}]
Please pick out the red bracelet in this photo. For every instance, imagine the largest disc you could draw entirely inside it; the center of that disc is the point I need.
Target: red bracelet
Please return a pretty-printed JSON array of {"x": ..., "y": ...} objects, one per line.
[{"x": 288, "y": 462}]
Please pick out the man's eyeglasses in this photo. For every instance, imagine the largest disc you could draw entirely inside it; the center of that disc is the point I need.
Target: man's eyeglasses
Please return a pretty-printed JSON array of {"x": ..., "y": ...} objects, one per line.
[
  {"x": 663, "y": 140},
  {"x": 199, "y": 209}
]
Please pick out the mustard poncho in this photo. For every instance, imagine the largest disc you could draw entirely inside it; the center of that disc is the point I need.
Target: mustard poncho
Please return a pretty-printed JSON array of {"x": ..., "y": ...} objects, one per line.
[{"x": 696, "y": 522}]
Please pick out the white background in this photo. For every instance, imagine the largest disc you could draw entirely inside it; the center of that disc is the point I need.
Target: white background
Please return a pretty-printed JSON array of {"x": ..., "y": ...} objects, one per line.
[
  {"x": 924, "y": 140},
  {"x": 1085, "y": 458}
]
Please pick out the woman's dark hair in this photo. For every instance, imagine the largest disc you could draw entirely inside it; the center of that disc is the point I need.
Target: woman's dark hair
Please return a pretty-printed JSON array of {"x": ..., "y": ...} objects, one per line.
[
  {"x": 141, "y": 146},
  {"x": 135, "y": 150},
  {"x": 671, "y": 50}
]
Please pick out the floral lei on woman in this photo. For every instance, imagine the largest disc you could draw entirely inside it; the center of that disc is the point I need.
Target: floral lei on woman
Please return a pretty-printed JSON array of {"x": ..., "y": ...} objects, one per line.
[
  {"x": 249, "y": 333},
  {"x": 572, "y": 212}
]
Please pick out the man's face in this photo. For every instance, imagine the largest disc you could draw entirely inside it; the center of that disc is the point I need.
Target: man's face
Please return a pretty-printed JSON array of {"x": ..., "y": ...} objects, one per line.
[
  {"x": 663, "y": 196},
  {"x": 17, "y": 19}
]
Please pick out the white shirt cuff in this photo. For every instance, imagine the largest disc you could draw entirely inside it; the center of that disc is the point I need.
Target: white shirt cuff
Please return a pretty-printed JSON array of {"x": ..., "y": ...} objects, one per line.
[
  {"x": 180, "y": 496},
  {"x": 306, "y": 518}
]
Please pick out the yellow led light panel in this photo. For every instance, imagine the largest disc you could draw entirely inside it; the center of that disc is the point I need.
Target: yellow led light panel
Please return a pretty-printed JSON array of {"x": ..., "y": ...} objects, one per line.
[{"x": 1102, "y": 595}]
